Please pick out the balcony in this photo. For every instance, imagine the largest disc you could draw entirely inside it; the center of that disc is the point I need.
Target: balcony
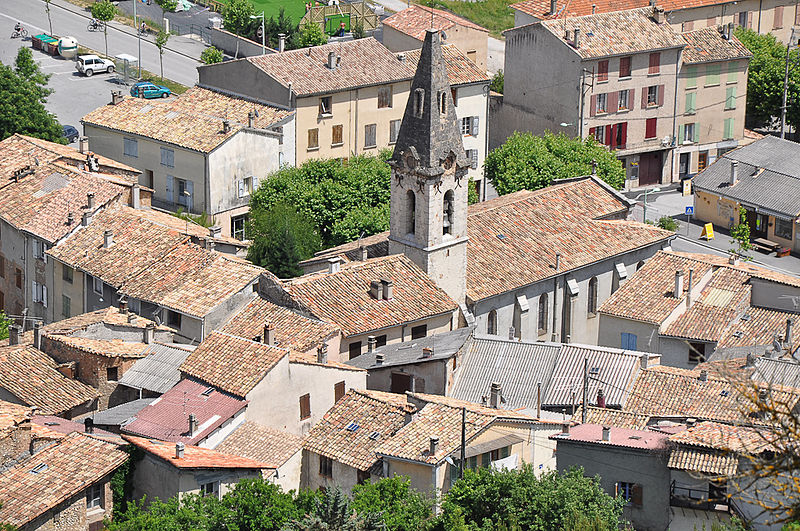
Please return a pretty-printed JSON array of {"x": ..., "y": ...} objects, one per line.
[{"x": 711, "y": 499}]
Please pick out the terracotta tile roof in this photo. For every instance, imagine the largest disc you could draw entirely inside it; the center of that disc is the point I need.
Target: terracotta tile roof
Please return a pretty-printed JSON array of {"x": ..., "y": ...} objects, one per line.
[
  {"x": 167, "y": 417},
  {"x": 460, "y": 70},
  {"x": 619, "y": 437},
  {"x": 612, "y": 417},
  {"x": 541, "y": 8},
  {"x": 232, "y": 364},
  {"x": 703, "y": 461},
  {"x": 110, "y": 316},
  {"x": 54, "y": 475},
  {"x": 11, "y": 415},
  {"x": 39, "y": 203},
  {"x": 508, "y": 414},
  {"x": 343, "y": 298},
  {"x": 360, "y": 422},
  {"x": 262, "y": 444},
  {"x": 417, "y": 19},
  {"x": 707, "y": 45},
  {"x": 191, "y": 280},
  {"x": 111, "y": 348},
  {"x": 759, "y": 329},
  {"x": 615, "y": 33},
  {"x": 724, "y": 437},
  {"x": 31, "y": 376},
  {"x": 194, "y": 456},
  {"x": 292, "y": 330},
  {"x": 365, "y": 62},
  {"x": 189, "y": 228},
  {"x": 751, "y": 269},
  {"x": 192, "y": 120},
  {"x": 65, "y": 427},
  {"x": 138, "y": 243}
]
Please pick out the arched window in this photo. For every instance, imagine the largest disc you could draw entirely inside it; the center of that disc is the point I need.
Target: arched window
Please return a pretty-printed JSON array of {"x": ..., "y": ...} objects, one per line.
[
  {"x": 419, "y": 102},
  {"x": 491, "y": 323},
  {"x": 543, "y": 313},
  {"x": 443, "y": 102},
  {"x": 412, "y": 212},
  {"x": 592, "y": 303},
  {"x": 447, "y": 217}
]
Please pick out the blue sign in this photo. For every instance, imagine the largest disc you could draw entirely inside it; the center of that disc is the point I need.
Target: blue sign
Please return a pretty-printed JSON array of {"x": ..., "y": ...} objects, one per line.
[{"x": 689, "y": 210}]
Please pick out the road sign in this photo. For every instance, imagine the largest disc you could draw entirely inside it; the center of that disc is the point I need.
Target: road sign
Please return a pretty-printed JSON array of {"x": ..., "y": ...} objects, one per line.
[
  {"x": 708, "y": 231},
  {"x": 689, "y": 210}
]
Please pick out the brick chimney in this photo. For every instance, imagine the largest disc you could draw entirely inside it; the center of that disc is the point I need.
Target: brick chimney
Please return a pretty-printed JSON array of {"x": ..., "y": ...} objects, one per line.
[
  {"x": 179, "y": 449},
  {"x": 269, "y": 334},
  {"x": 601, "y": 398},
  {"x": 14, "y": 333},
  {"x": 149, "y": 333}
]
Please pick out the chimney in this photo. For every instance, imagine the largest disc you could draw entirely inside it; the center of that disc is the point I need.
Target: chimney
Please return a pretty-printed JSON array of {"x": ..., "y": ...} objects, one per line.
[
  {"x": 372, "y": 342},
  {"x": 787, "y": 338},
  {"x": 70, "y": 219},
  {"x": 123, "y": 305},
  {"x": 136, "y": 196},
  {"x": 14, "y": 333},
  {"x": 658, "y": 14},
  {"x": 131, "y": 317},
  {"x": 149, "y": 333},
  {"x": 434, "y": 445},
  {"x": 401, "y": 57},
  {"x": 427, "y": 352},
  {"x": 179, "y": 449},
  {"x": 37, "y": 335},
  {"x": 90, "y": 201},
  {"x": 558, "y": 261},
  {"x": 332, "y": 60},
  {"x": 733, "y": 259},
  {"x": 322, "y": 353},
  {"x": 703, "y": 376},
  {"x": 691, "y": 422},
  {"x": 511, "y": 332},
  {"x": 269, "y": 334},
  {"x": 376, "y": 289},
  {"x": 750, "y": 360},
  {"x": 576, "y": 40},
  {"x": 388, "y": 289},
  {"x": 108, "y": 238},
  {"x": 594, "y": 9},
  {"x": 565, "y": 428},
  {"x": 333, "y": 265},
  {"x": 83, "y": 144},
  {"x": 251, "y": 120},
  {"x": 379, "y": 358},
  {"x": 86, "y": 219},
  {"x": 601, "y": 398},
  {"x": 226, "y": 126},
  {"x": 215, "y": 231},
  {"x": 192, "y": 423},
  {"x": 362, "y": 253},
  {"x": 494, "y": 395},
  {"x": 689, "y": 289},
  {"x": 734, "y": 173},
  {"x": 607, "y": 433},
  {"x": 88, "y": 425},
  {"x": 677, "y": 291},
  {"x": 116, "y": 97},
  {"x": 553, "y": 7},
  {"x": 728, "y": 31},
  {"x": 281, "y": 42},
  {"x": 644, "y": 361}
]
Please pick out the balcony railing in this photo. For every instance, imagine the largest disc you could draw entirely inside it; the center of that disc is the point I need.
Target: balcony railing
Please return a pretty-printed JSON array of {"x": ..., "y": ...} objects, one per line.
[{"x": 700, "y": 499}]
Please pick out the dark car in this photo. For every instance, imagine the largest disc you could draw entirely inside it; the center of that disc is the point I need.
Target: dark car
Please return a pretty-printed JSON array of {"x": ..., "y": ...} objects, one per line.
[{"x": 70, "y": 133}]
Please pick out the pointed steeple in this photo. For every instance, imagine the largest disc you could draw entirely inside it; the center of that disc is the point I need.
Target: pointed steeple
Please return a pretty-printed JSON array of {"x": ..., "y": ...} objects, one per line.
[{"x": 429, "y": 140}]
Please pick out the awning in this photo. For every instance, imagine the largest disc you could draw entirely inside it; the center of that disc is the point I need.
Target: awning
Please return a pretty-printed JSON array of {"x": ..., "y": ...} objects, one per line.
[
  {"x": 621, "y": 271},
  {"x": 522, "y": 301},
  {"x": 488, "y": 446},
  {"x": 572, "y": 285}
]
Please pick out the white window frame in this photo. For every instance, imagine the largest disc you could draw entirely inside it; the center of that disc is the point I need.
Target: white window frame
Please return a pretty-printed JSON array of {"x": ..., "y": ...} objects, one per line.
[
  {"x": 624, "y": 104},
  {"x": 466, "y": 126},
  {"x": 687, "y": 137},
  {"x": 394, "y": 130},
  {"x": 326, "y": 106},
  {"x": 601, "y": 104},
  {"x": 39, "y": 248},
  {"x": 94, "y": 496},
  {"x": 210, "y": 489},
  {"x": 652, "y": 90}
]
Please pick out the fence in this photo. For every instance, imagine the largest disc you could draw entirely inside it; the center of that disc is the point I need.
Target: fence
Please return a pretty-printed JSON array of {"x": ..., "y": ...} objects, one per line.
[
  {"x": 192, "y": 30},
  {"x": 355, "y": 12},
  {"x": 226, "y": 41},
  {"x": 213, "y": 4}
]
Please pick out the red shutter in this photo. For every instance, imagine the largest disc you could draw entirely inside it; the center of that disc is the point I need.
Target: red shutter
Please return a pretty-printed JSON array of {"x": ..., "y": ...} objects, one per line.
[
  {"x": 592, "y": 131},
  {"x": 650, "y": 128},
  {"x": 602, "y": 70},
  {"x": 644, "y": 97},
  {"x": 660, "y": 95},
  {"x": 613, "y": 98},
  {"x": 797, "y": 15},
  {"x": 655, "y": 63},
  {"x": 778, "y": 17},
  {"x": 593, "y": 105},
  {"x": 608, "y": 135},
  {"x": 624, "y": 135}
]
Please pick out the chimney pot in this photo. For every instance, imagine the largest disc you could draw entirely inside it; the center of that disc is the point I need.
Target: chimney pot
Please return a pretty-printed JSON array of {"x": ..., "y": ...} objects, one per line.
[
  {"x": 14, "y": 333},
  {"x": 251, "y": 120},
  {"x": 565, "y": 428},
  {"x": 601, "y": 399},
  {"x": 376, "y": 289},
  {"x": 495, "y": 395},
  {"x": 607, "y": 433},
  {"x": 372, "y": 342},
  {"x": 70, "y": 218},
  {"x": 553, "y": 6},
  {"x": 83, "y": 144},
  {"x": 334, "y": 266},
  {"x": 281, "y": 42},
  {"x": 269, "y": 334},
  {"x": 379, "y": 358},
  {"x": 362, "y": 252},
  {"x": 226, "y": 126},
  {"x": 108, "y": 238},
  {"x": 86, "y": 219},
  {"x": 703, "y": 376},
  {"x": 192, "y": 423},
  {"x": 322, "y": 353},
  {"x": 37, "y": 335},
  {"x": 734, "y": 178},
  {"x": 136, "y": 196},
  {"x": 179, "y": 449},
  {"x": 149, "y": 333},
  {"x": 644, "y": 361},
  {"x": 90, "y": 201},
  {"x": 677, "y": 291},
  {"x": 434, "y": 445},
  {"x": 576, "y": 40},
  {"x": 427, "y": 352},
  {"x": 332, "y": 60},
  {"x": 388, "y": 289}
]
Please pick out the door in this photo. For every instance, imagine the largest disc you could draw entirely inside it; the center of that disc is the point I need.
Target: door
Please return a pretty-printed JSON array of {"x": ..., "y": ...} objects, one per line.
[
  {"x": 683, "y": 166},
  {"x": 758, "y": 224},
  {"x": 650, "y": 165},
  {"x": 702, "y": 161},
  {"x": 400, "y": 382}
]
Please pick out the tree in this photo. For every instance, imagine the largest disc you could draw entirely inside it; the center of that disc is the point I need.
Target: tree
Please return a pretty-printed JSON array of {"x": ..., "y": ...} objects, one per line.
[
  {"x": 401, "y": 508},
  {"x": 668, "y": 223},
  {"x": 211, "y": 55},
  {"x": 741, "y": 235},
  {"x": 283, "y": 25},
  {"x": 236, "y": 18},
  {"x": 167, "y": 5},
  {"x": 357, "y": 29},
  {"x": 311, "y": 34},
  {"x": 528, "y": 162},
  {"x": 23, "y": 93},
  {"x": 104, "y": 11},
  {"x": 334, "y": 511},
  {"x": 161, "y": 42},
  {"x": 281, "y": 239},
  {"x": 257, "y": 505},
  {"x": 5, "y": 322},
  {"x": 498, "y": 81},
  {"x": 47, "y": 10}
]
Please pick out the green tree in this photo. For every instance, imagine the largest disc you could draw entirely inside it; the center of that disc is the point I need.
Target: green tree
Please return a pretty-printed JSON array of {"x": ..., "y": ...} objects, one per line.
[
  {"x": 47, "y": 10},
  {"x": 357, "y": 29},
  {"x": 528, "y": 162},
  {"x": 191, "y": 512},
  {"x": 166, "y": 5},
  {"x": 211, "y": 55},
  {"x": 236, "y": 18},
  {"x": 281, "y": 239},
  {"x": 498, "y": 81},
  {"x": 517, "y": 499},
  {"x": 401, "y": 507},
  {"x": 23, "y": 93},
  {"x": 334, "y": 511},
  {"x": 741, "y": 235},
  {"x": 668, "y": 223},
  {"x": 311, "y": 34},
  {"x": 255, "y": 505},
  {"x": 104, "y": 11},
  {"x": 5, "y": 322},
  {"x": 282, "y": 25},
  {"x": 161, "y": 43}
]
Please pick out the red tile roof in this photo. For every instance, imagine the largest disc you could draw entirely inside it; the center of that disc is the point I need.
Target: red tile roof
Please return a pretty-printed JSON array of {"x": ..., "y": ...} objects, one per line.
[
  {"x": 418, "y": 19},
  {"x": 231, "y": 363},
  {"x": 702, "y": 461},
  {"x": 707, "y": 45},
  {"x": 620, "y": 437},
  {"x": 65, "y": 427},
  {"x": 12, "y": 415},
  {"x": 108, "y": 316},
  {"x": 54, "y": 475},
  {"x": 111, "y": 348},
  {"x": 460, "y": 70},
  {"x": 725, "y": 437},
  {"x": 194, "y": 456},
  {"x": 167, "y": 417},
  {"x": 612, "y": 417},
  {"x": 260, "y": 443},
  {"x": 541, "y": 8}
]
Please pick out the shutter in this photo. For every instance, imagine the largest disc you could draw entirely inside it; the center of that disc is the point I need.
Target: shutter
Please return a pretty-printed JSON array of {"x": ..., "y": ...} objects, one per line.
[
  {"x": 778, "y": 17},
  {"x": 636, "y": 494},
  {"x": 797, "y": 15},
  {"x": 696, "y": 132},
  {"x": 240, "y": 188},
  {"x": 34, "y": 291},
  {"x": 44, "y": 295},
  {"x": 593, "y": 105},
  {"x": 474, "y": 159},
  {"x": 170, "y": 188},
  {"x": 644, "y": 97},
  {"x": 680, "y": 134},
  {"x": 660, "y": 95},
  {"x": 190, "y": 199},
  {"x": 608, "y": 139},
  {"x": 750, "y": 19},
  {"x": 474, "y": 126},
  {"x": 613, "y": 99},
  {"x": 255, "y": 182},
  {"x": 592, "y": 131},
  {"x": 624, "y": 138}
]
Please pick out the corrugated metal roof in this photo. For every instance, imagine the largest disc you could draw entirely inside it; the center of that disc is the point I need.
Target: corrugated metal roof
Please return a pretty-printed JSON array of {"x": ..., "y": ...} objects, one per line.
[
  {"x": 158, "y": 372},
  {"x": 444, "y": 346},
  {"x": 777, "y": 372},
  {"x": 121, "y": 414}
]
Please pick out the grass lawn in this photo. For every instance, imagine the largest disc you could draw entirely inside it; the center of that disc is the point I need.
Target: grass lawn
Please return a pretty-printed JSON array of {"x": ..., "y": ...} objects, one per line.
[
  {"x": 494, "y": 15},
  {"x": 293, "y": 8}
]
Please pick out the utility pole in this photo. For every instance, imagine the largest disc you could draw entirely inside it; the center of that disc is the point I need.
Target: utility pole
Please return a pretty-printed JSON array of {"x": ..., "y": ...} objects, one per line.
[
  {"x": 786, "y": 86},
  {"x": 585, "y": 388},
  {"x": 582, "y": 102},
  {"x": 139, "y": 39},
  {"x": 463, "y": 442}
]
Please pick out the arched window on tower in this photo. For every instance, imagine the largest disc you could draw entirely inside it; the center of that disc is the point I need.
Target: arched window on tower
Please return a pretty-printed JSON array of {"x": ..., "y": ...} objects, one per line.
[
  {"x": 443, "y": 102},
  {"x": 419, "y": 102},
  {"x": 491, "y": 325},
  {"x": 412, "y": 212},
  {"x": 591, "y": 308},
  {"x": 542, "y": 313},
  {"x": 447, "y": 213}
]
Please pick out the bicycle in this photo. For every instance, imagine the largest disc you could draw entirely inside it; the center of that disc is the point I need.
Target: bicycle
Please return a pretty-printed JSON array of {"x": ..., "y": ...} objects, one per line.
[
  {"x": 97, "y": 26},
  {"x": 22, "y": 32}
]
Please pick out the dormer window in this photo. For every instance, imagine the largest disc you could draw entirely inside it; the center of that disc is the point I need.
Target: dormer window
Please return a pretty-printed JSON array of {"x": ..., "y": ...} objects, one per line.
[{"x": 419, "y": 102}]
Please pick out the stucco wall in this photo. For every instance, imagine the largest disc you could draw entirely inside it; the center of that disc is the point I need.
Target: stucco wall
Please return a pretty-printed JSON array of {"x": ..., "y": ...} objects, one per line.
[
  {"x": 12, "y": 248},
  {"x": 242, "y": 78},
  {"x": 436, "y": 325},
  {"x": 429, "y": 377},
  {"x": 611, "y": 328},
  {"x": 289, "y": 474}
]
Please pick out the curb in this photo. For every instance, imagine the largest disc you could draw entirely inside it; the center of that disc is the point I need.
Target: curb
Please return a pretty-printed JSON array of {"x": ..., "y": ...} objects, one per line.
[{"x": 753, "y": 261}]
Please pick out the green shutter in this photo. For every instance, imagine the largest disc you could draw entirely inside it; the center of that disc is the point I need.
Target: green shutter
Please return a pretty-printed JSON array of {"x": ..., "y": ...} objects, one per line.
[
  {"x": 680, "y": 134},
  {"x": 712, "y": 74},
  {"x": 728, "y": 133},
  {"x": 690, "y": 102},
  {"x": 733, "y": 72},
  {"x": 696, "y": 132},
  {"x": 730, "y": 98},
  {"x": 691, "y": 76}
]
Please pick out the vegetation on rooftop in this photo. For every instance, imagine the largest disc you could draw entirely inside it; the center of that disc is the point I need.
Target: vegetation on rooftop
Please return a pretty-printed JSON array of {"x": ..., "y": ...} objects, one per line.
[{"x": 494, "y": 15}]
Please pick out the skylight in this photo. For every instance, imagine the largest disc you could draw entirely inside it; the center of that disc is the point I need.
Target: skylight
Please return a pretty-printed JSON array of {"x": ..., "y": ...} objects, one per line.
[
  {"x": 41, "y": 467},
  {"x": 352, "y": 427}
]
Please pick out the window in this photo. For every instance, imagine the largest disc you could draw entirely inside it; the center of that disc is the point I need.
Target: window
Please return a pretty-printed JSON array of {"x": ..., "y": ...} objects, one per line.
[
  {"x": 697, "y": 353},
  {"x": 385, "y": 97},
  {"x": 655, "y": 63},
  {"x": 419, "y": 102},
  {"x": 691, "y": 76},
  {"x": 18, "y": 278},
  {"x": 380, "y": 341},
  {"x": 491, "y": 323},
  {"x": 447, "y": 213},
  {"x": 238, "y": 224},
  {"x": 412, "y": 212},
  {"x": 628, "y": 341},
  {"x": 466, "y": 125},
  {"x": 173, "y": 319},
  {"x": 305, "y": 407},
  {"x": 325, "y": 467},
  {"x": 418, "y": 332},
  {"x": 688, "y": 136},
  {"x": 247, "y": 186},
  {"x": 730, "y": 98},
  {"x": 472, "y": 155},
  {"x": 210, "y": 490},
  {"x": 39, "y": 248},
  {"x": 743, "y": 19},
  {"x": 130, "y": 147},
  {"x": 625, "y": 491},
  {"x": 2, "y": 267},
  {"x": 394, "y": 130},
  {"x": 783, "y": 229},
  {"x": 313, "y": 139},
  {"x": 67, "y": 273},
  {"x": 337, "y": 135},
  {"x": 112, "y": 374},
  {"x": 400, "y": 383},
  {"x": 167, "y": 157},
  {"x": 362, "y": 476},
  {"x": 355, "y": 349},
  {"x": 370, "y": 135},
  {"x": 652, "y": 95},
  {"x": 727, "y": 133},
  {"x": 601, "y": 105},
  {"x": 624, "y": 67},
  {"x": 97, "y": 285},
  {"x": 691, "y": 99},
  {"x": 777, "y": 22},
  {"x": 602, "y": 70},
  {"x": 66, "y": 306},
  {"x": 325, "y": 106},
  {"x": 542, "y": 313},
  {"x": 712, "y": 74},
  {"x": 94, "y": 496},
  {"x": 650, "y": 127},
  {"x": 338, "y": 391},
  {"x": 39, "y": 292},
  {"x": 185, "y": 191},
  {"x": 591, "y": 306},
  {"x": 599, "y": 134},
  {"x": 733, "y": 70},
  {"x": 443, "y": 102},
  {"x": 624, "y": 100}
]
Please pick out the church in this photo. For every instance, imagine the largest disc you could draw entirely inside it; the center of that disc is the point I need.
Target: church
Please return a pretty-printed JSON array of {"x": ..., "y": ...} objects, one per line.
[{"x": 531, "y": 265}]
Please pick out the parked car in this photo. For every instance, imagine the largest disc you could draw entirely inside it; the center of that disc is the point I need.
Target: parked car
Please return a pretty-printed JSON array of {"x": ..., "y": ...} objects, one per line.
[
  {"x": 145, "y": 89},
  {"x": 71, "y": 133},
  {"x": 88, "y": 65}
]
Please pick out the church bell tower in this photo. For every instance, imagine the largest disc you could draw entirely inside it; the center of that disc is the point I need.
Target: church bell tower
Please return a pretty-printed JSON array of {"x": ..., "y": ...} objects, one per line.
[{"x": 429, "y": 178}]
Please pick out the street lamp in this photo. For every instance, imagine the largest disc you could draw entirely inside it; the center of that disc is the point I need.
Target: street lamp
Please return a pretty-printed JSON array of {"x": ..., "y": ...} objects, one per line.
[
  {"x": 263, "y": 35},
  {"x": 644, "y": 206}
]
